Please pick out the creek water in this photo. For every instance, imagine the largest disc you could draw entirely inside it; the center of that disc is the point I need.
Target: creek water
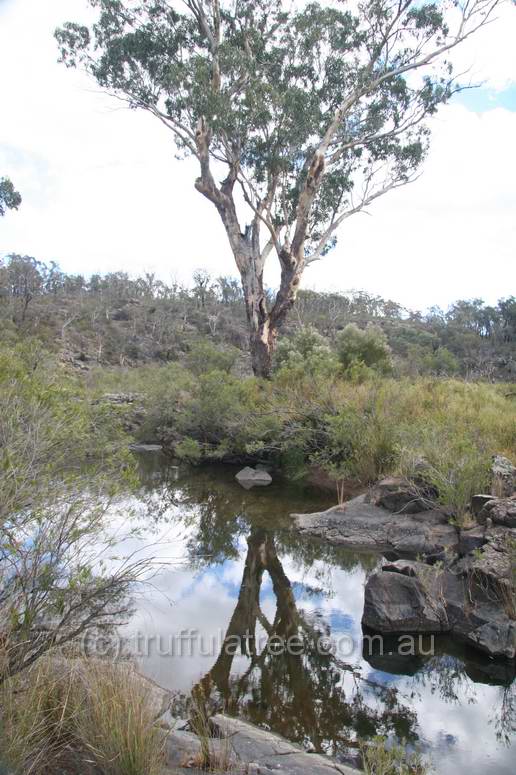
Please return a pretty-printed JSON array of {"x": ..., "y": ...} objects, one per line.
[{"x": 267, "y": 626}]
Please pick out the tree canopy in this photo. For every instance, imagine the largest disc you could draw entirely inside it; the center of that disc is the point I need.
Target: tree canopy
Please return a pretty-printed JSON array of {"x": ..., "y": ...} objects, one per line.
[
  {"x": 307, "y": 113},
  {"x": 10, "y": 199}
]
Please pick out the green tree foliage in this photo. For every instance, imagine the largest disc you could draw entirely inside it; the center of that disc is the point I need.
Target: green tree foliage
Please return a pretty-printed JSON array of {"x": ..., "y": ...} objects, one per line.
[
  {"x": 22, "y": 278},
  {"x": 311, "y": 111},
  {"x": 367, "y": 347},
  {"x": 10, "y": 199}
]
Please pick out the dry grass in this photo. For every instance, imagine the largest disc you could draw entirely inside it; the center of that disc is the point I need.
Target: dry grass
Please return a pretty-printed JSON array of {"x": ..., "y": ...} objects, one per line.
[
  {"x": 89, "y": 713},
  {"x": 116, "y": 724},
  {"x": 37, "y": 719},
  {"x": 216, "y": 754}
]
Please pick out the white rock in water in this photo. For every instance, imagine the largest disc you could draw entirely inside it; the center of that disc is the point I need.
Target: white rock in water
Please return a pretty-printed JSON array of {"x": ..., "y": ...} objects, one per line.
[{"x": 250, "y": 477}]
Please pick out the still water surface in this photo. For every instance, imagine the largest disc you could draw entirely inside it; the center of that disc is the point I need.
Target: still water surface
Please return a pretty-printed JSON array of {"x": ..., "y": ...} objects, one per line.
[{"x": 231, "y": 567}]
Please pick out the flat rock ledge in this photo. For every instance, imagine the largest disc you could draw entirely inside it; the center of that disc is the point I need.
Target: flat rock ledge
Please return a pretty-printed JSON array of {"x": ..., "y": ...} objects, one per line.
[
  {"x": 244, "y": 749},
  {"x": 364, "y": 526}
]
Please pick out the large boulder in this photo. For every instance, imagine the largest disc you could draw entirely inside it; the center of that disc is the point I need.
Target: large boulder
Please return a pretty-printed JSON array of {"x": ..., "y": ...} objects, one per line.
[
  {"x": 266, "y": 753},
  {"x": 503, "y": 477},
  {"x": 252, "y": 477},
  {"x": 496, "y": 637},
  {"x": 501, "y": 511},
  {"x": 401, "y": 495},
  {"x": 401, "y": 598}
]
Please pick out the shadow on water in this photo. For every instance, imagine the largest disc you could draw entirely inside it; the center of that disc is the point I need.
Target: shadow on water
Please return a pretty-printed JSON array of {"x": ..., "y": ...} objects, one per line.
[{"x": 277, "y": 664}]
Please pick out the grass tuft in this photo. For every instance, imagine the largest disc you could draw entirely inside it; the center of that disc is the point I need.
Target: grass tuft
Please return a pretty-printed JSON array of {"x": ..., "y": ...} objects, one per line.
[
  {"x": 82, "y": 716},
  {"x": 381, "y": 758}
]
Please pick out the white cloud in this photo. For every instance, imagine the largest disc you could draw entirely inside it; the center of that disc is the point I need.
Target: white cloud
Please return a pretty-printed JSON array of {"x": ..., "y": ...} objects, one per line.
[
  {"x": 102, "y": 190},
  {"x": 449, "y": 235},
  {"x": 489, "y": 56}
]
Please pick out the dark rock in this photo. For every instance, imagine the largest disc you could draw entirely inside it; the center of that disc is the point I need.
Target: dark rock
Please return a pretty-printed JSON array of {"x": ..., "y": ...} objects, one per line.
[
  {"x": 361, "y": 525},
  {"x": 496, "y": 637},
  {"x": 250, "y": 477},
  {"x": 503, "y": 477},
  {"x": 400, "y": 495},
  {"x": 478, "y": 502},
  {"x": 400, "y": 598},
  {"x": 471, "y": 539},
  {"x": 503, "y": 539},
  {"x": 471, "y": 600},
  {"x": 489, "y": 570},
  {"x": 502, "y": 511}
]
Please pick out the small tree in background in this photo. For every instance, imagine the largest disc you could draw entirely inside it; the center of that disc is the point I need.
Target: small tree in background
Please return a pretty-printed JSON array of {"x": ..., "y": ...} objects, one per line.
[
  {"x": 306, "y": 115},
  {"x": 10, "y": 199}
]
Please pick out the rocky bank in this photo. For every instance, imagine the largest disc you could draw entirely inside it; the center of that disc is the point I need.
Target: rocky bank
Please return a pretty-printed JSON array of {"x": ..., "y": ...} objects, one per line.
[{"x": 439, "y": 578}]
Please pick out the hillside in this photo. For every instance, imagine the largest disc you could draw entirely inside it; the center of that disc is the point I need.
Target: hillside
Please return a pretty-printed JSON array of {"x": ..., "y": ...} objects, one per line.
[{"x": 117, "y": 320}]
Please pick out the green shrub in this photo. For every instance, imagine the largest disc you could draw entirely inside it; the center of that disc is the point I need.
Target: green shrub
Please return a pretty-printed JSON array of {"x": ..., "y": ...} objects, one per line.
[
  {"x": 366, "y": 346},
  {"x": 354, "y": 427},
  {"x": 204, "y": 357},
  {"x": 188, "y": 450},
  {"x": 307, "y": 352},
  {"x": 62, "y": 459}
]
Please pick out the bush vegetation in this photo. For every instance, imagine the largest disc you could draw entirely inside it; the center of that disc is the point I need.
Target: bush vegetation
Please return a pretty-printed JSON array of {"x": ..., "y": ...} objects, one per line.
[
  {"x": 381, "y": 758},
  {"x": 62, "y": 460},
  {"x": 354, "y": 428}
]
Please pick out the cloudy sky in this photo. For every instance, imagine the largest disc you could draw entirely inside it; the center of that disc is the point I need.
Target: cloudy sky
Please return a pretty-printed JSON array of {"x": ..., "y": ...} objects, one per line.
[{"x": 102, "y": 190}]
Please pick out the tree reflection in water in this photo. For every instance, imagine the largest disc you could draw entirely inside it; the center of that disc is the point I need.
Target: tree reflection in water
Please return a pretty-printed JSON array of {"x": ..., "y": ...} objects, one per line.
[
  {"x": 310, "y": 696},
  {"x": 299, "y": 691}
]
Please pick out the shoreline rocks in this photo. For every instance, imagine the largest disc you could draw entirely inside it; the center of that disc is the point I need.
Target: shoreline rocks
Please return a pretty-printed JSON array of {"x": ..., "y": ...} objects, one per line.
[
  {"x": 242, "y": 748},
  {"x": 402, "y": 496},
  {"x": 466, "y": 600},
  {"x": 364, "y": 526},
  {"x": 445, "y": 579}
]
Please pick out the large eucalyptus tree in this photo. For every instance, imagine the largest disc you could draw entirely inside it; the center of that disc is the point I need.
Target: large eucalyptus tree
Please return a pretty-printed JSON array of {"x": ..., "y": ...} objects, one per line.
[{"x": 299, "y": 114}]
